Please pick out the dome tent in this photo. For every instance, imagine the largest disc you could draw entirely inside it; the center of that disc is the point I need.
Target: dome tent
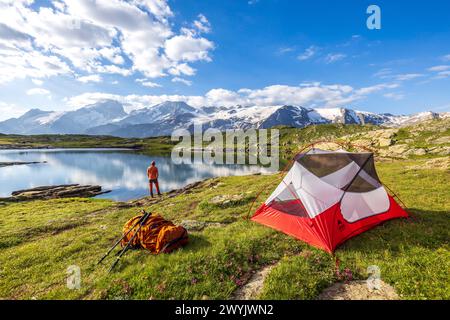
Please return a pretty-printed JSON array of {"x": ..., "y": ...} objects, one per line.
[{"x": 328, "y": 197}]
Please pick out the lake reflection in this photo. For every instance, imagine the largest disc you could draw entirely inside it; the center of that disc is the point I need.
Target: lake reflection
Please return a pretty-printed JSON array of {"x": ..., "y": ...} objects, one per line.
[{"x": 122, "y": 171}]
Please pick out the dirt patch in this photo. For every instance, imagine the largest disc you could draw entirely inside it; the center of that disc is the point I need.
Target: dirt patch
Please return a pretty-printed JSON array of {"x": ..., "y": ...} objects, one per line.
[
  {"x": 359, "y": 290},
  {"x": 252, "y": 289}
]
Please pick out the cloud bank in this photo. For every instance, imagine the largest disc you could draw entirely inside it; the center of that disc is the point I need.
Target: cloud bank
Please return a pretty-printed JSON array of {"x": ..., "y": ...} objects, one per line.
[
  {"x": 90, "y": 37},
  {"x": 306, "y": 94}
]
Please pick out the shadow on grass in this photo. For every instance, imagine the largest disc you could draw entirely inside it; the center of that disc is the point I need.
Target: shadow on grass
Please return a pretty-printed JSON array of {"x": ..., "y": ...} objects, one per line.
[
  {"x": 426, "y": 229},
  {"x": 196, "y": 242}
]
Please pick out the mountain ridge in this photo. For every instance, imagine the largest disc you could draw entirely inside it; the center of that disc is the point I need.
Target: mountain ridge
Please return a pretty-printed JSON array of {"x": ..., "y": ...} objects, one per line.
[{"x": 108, "y": 117}]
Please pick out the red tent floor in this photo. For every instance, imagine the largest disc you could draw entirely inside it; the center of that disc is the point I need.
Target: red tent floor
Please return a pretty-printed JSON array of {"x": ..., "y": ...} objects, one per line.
[{"x": 325, "y": 231}]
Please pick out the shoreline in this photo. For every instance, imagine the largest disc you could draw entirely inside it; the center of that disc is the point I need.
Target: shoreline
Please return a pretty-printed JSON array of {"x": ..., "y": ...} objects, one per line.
[{"x": 28, "y": 147}]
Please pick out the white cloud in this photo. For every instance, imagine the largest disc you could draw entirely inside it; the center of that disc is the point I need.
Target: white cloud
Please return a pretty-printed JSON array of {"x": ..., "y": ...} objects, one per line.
[
  {"x": 188, "y": 48},
  {"x": 160, "y": 9},
  {"x": 202, "y": 24},
  {"x": 383, "y": 73},
  {"x": 308, "y": 54},
  {"x": 439, "y": 68},
  {"x": 10, "y": 111},
  {"x": 446, "y": 57},
  {"x": 149, "y": 84},
  {"x": 387, "y": 73},
  {"x": 408, "y": 76},
  {"x": 114, "y": 70},
  {"x": 38, "y": 91},
  {"x": 37, "y": 82},
  {"x": 376, "y": 88},
  {"x": 91, "y": 78},
  {"x": 284, "y": 50},
  {"x": 334, "y": 57},
  {"x": 394, "y": 96},
  {"x": 306, "y": 94},
  {"x": 443, "y": 75},
  {"x": 183, "y": 81},
  {"x": 101, "y": 36},
  {"x": 16, "y": 63},
  {"x": 182, "y": 69}
]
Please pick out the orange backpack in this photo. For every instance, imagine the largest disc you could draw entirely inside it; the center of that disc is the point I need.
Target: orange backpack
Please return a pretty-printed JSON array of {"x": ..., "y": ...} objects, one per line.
[{"x": 156, "y": 235}]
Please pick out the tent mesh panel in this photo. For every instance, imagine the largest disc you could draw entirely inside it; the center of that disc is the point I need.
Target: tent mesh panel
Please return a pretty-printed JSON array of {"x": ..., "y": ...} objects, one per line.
[
  {"x": 292, "y": 207},
  {"x": 325, "y": 164}
]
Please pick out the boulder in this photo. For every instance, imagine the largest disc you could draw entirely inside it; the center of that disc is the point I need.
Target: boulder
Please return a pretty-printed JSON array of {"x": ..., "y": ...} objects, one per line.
[
  {"x": 55, "y": 192},
  {"x": 224, "y": 199},
  {"x": 385, "y": 142},
  {"x": 359, "y": 290},
  {"x": 416, "y": 152},
  {"x": 398, "y": 149},
  {"x": 440, "y": 151},
  {"x": 195, "y": 225},
  {"x": 441, "y": 140}
]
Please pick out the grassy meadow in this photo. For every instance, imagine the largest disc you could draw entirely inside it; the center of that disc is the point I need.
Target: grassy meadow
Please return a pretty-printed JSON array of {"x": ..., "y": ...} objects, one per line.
[{"x": 41, "y": 239}]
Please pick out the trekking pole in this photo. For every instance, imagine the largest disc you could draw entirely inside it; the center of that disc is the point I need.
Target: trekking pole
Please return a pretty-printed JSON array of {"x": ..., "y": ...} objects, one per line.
[
  {"x": 145, "y": 217},
  {"x": 118, "y": 241}
]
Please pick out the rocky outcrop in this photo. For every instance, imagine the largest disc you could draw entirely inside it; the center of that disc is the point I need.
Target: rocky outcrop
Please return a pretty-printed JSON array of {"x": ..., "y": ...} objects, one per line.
[
  {"x": 377, "y": 138},
  {"x": 7, "y": 164},
  {"x": 55, "y": 192},
  {"x": 359, "y": 290},
  {"x": 425, "y": 139},
  {"x": 252, "y": 289},
  {"x": 437, "y": 163},
  {"x": 195, "y": 225}
]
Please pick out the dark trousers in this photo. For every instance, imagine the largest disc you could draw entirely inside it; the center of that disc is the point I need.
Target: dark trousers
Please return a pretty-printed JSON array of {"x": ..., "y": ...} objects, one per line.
[{"x": 151, "y": 182}]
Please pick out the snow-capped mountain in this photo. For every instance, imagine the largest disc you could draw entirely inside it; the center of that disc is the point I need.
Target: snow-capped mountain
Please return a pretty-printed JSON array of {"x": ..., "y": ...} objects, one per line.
[
  {"x": 160, "y": 112},
  {"x": 109, "y": 118},
  {"x": 29, "y": 123},
  {"x": 37, "y": 121}
]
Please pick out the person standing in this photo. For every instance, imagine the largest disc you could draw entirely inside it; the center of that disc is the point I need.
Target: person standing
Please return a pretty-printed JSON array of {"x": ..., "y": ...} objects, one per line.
[{"x": 152, "y": 173}]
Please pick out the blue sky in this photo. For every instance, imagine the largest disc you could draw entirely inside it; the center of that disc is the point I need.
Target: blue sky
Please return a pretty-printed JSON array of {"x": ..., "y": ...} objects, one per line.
[{"x": 61, "y": 54}]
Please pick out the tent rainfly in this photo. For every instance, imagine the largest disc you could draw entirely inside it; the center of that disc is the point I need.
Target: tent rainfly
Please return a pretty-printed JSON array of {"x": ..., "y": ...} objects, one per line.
[{"x": 328, "y": 197}]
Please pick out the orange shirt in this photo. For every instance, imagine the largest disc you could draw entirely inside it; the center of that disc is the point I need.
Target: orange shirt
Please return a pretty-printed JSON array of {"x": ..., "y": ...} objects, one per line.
[{"x": 152, "y": 172}]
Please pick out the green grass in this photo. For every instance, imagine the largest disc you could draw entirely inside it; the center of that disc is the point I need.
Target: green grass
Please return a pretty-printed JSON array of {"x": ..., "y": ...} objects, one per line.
[{"x": 41, "y": 239}]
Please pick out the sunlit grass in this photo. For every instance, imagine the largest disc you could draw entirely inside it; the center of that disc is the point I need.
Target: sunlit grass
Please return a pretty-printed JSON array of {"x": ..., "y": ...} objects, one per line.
[{"x": 41, "y": 239}]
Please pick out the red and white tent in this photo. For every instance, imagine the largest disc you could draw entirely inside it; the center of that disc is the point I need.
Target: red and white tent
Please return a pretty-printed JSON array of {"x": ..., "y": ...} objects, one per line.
[{"x": 328, "y": 197}]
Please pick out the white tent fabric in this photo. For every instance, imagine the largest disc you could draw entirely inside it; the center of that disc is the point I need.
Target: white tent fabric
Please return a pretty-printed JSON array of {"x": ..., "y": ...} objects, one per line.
[
  {"x": 357, "y": 206},
  {"x": 315, "y": 194},
  {"x": 343, "y": 176},
  {"x": 319, "y": 194},
  {"x": 282, "y": 192}
]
